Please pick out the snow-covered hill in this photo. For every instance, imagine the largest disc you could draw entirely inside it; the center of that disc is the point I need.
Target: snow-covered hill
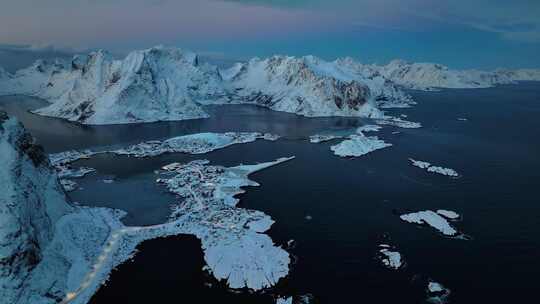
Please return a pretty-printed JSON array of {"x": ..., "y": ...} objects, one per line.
[
  {"x": 427, "y": 76},
  {"x": 306, "y": 86}
]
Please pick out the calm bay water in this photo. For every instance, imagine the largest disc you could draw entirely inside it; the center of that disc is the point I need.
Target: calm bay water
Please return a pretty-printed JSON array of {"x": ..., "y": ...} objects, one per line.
[{"x": 353, "y": 202}]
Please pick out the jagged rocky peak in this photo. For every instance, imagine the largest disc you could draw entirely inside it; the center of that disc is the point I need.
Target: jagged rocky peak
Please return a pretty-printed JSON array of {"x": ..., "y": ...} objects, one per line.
[
  {"x": 307, "y": 86},
  {"x": 83, "y": 62},
  {"x": 31, "y": 201}
]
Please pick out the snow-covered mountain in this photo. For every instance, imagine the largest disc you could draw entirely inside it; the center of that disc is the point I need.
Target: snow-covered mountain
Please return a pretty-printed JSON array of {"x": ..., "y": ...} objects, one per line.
[
  {"x": 32, "y": 80},
  {"x": 31, "y": 202},
  {"x": 427, "y": 76},
  {"x": 520, "y": 74},
  {"x": 157, "y": 84},
  {"x": 306, "y": 86},
  {"x": 386, "y": 93},
  {"x": 161, "y": 84}
]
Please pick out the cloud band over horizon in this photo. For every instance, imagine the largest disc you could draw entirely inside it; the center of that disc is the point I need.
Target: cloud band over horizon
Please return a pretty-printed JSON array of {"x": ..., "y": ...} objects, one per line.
[{"x": 475, "y": 33}]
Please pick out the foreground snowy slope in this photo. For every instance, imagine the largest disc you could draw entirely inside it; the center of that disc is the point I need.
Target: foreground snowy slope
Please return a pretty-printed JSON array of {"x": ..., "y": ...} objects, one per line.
[
  {"x": 47, "y": 245},
  {"x": 31, "y": 202},
  {"x": 55, "y": 252}
]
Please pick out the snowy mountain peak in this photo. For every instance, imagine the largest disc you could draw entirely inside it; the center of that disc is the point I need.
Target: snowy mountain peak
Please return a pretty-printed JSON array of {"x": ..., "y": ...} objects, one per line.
[
  {"x": 162, "y": 84},
  {"x": 156, "y": 84},
  {"x": 307, "y": 86}
]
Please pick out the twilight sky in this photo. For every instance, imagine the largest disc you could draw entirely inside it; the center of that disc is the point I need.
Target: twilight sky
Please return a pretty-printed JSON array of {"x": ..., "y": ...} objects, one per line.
[{"x": 459, "y": 33}]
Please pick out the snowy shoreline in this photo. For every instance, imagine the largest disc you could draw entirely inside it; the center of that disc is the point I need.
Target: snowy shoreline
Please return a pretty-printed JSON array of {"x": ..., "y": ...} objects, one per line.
[
  {"x": 79, "y": 246},
  {"x": 227, "y": 233}
]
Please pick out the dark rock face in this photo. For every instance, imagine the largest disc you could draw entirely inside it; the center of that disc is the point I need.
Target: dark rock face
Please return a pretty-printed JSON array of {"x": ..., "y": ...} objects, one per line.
[{"x": 35, "y": 152}]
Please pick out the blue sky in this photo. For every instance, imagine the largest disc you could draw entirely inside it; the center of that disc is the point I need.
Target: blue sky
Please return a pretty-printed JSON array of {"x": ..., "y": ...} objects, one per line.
[{"x": 462, "y": 34}]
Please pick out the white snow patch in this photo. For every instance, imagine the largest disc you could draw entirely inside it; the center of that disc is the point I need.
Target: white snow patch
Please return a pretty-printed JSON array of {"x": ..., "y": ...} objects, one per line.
[
  {"x": 357, "y": 145},
  {"x": 368, "y": 128},
  {"x": 432, "y": 219},
  {"x": 287, "y": 300},
  {"x": 420, "y": 164},
  {"x": 390, "y": 257},
  {"x": 443, "y": 171},
  {"x": 452, "y": 215},
  {"x": 433, "y": 169},
  {"x": 199, "y": 143},
  {"x": 437, "y": 293},
  {"x": 398, "y": 122},
  {"x": 319, "y": 138}
]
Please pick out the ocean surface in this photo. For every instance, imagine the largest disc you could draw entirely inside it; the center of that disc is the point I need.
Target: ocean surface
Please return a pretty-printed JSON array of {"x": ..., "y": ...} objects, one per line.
[{"x": 353, "y": 203}]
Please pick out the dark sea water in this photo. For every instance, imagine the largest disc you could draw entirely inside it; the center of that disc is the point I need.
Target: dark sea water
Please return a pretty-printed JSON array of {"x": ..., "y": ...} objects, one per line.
[{"x": 353, "y": 202}]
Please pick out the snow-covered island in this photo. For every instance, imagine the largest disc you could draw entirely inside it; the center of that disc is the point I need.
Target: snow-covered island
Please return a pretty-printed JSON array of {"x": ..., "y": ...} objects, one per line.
[
  {"x": 437, "y": 220},
  {"x": 398, "y": 122},
  {"x": 437, "y": 293},
  {"x": 433, "y": 169},
  {"x": 198, "y": 143},
  {"x": 53, "y": 251},
  {"x": 235, "y": 246},
  {"x": 358, "y": 144},
  {"x": 390, "y": 257},
  {"x": 319, "y": 138},
  {"x": 354, "y": 145}
]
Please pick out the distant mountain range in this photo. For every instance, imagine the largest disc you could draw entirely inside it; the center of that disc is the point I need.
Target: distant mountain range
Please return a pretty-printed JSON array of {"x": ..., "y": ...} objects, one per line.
[{"x": 164, "y": 84}]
